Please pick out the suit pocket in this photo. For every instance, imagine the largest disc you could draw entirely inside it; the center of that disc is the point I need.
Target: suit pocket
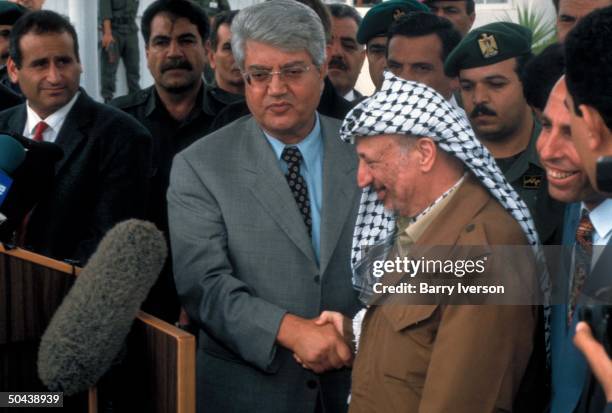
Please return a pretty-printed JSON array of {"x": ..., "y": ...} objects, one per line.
[
  {"x": 404, "y": 316},
  {"x": 409, "y": 344}
]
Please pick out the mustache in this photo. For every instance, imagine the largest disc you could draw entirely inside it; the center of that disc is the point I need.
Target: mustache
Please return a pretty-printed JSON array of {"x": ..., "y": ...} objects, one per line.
[
  {"x": 481, "y": 109},
  {"x": 176, "y": 64},
  {"x": 337, "y": 62}
]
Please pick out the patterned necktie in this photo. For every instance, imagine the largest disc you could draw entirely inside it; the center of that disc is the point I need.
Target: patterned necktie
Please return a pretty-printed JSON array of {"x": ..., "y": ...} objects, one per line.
[
  {"x": 38, "y": 131},
  {"x": 293, "y": 157},
  {"x": 582, "y": 261}
]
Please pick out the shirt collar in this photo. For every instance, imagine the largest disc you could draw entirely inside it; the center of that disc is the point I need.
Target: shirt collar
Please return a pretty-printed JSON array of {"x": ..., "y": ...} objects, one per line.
[
  {"x": 54, "y": 120},
  {"x": 310, "y": 146},
  {"x": 601, "y": 218},
  {"x": 350, "y": 96}
]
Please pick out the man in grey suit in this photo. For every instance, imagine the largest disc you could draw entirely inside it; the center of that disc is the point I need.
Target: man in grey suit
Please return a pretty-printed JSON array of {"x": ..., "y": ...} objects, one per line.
[{"x": 261, "y": 216}]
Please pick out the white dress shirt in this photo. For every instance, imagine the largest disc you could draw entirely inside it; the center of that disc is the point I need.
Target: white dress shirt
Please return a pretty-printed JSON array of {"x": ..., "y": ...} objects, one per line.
[{"x": 55, "y": 120}]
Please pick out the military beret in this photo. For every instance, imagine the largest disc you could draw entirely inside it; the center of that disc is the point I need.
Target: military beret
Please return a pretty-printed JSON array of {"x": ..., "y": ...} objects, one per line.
[
  {"x": 380, "y": 17},
  {"x": 10, "y": 12},
  {"x": 488, "y": 44}
]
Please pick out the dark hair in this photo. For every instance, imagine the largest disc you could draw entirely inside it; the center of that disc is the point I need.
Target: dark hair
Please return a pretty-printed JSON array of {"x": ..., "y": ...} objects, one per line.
[
  {"x": 225, "y": 17},
  {"x": 417, "y": 24},
  {"x": 39, "y": 22},
  {"x": 588, "y": 59},
  {"x": 343, "y": 11},
  {"x": 540, "y": 75},
  {"x": 469, "y": 5},
  {"x": 177, "y": 8},
  {"x": 521, "y": 62},
  {"x": 319, "y": 7},
  {"x": 556, "y": 4}
]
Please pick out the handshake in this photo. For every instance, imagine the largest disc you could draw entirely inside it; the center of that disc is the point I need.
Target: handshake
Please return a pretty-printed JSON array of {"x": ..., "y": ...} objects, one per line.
[{"x": 319, "y": 344}]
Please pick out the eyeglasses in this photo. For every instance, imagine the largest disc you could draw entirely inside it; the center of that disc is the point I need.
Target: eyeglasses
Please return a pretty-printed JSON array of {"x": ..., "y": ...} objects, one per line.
[{"x": 262, "y": 77}]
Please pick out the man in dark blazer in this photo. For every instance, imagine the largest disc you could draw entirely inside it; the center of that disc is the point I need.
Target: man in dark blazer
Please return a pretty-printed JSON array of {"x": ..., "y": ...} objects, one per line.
[
  {"x": 261, "y": 215},
  {"x": 102, "y": 177}
]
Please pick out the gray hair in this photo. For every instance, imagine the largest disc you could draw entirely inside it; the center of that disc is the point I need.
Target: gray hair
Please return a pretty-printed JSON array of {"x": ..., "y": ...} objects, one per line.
[{"x": 285, "y": 24}]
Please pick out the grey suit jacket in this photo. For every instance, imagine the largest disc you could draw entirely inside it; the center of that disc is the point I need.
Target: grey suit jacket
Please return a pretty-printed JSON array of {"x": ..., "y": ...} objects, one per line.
[{"x": 243, "y": 259}]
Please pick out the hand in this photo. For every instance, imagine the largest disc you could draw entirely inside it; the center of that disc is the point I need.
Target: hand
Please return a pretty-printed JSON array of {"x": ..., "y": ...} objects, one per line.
[
  {"x": 596, "y": 355},
  {"x": 107, "y": 39},
  {"x": 334, "y": 318},
  {"x": 317, "y": 347}
]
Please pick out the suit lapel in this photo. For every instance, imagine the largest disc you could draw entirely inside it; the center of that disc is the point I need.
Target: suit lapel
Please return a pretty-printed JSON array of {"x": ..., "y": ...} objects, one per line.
[
  {"x": 71, "y": 134},
  {"x": 269, "y": 186},
  {"x": 339, "y": 189},
  {"x": 16, "y": 123}
]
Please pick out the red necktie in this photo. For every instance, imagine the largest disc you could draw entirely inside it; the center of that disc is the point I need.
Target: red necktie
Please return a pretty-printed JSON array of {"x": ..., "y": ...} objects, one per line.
[{"x": 38, "y": 131}]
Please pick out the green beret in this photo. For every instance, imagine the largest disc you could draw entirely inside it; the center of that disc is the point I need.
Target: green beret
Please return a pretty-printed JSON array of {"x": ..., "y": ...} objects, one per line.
[
  {"x": 10, "y": 12},
  {"x": 487, "y": 45},
  {"x": 380, "y": 17}
]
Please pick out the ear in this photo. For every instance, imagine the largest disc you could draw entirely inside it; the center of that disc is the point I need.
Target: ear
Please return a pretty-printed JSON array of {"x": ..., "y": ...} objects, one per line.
[
  {"x": 427, "y": 150},
  {"x": 12, "y": 70},
  {"x": 595, "y": 125}
]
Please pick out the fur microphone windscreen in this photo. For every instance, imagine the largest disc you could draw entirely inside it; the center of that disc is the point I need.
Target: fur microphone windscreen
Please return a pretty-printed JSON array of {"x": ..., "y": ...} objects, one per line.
[{"x": 89, "y": 328}]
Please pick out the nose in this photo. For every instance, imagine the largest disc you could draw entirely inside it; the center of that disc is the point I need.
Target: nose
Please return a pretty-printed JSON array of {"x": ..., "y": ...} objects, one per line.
[
  {"x": 546, "y": 145},
  {"x": 174, "y": 49},
  {"x": 480, "y": 94},
  {"x": 277, "y": 86},
  {"x": 364, "y": 177},
  {"x": 53, "y": 74},
  {"x": 335, "y": 49}
]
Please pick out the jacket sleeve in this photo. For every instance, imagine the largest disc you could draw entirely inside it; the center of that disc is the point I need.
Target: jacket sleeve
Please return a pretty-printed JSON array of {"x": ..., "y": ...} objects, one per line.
[
  {"x": 224, "y": 306},
  {"x": 105, "y": 10},
  {"x": 124, "y": 175}
]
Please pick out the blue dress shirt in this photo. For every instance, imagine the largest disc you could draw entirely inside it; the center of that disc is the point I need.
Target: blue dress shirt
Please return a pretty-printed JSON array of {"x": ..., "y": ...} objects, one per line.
[{"x": 311, "y": 170}]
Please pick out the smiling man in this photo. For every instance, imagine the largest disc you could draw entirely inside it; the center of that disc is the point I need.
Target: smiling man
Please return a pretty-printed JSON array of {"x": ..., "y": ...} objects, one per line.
[
  {"x": 489, "y": 62},
  {"x": 568, "y": 181},
  {"x": 433, "y": 192},
  {"x": 261, "y": 214},
  {"x": 103, "y": 176}
]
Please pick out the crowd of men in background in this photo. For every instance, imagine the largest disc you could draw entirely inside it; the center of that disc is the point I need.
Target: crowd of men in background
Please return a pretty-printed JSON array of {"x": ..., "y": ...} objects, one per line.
[{"x": 235, "y": 154}]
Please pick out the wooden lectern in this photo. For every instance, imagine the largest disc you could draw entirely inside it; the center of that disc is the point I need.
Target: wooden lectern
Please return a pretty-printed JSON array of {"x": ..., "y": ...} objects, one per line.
[{"x": 160, "y": 356}]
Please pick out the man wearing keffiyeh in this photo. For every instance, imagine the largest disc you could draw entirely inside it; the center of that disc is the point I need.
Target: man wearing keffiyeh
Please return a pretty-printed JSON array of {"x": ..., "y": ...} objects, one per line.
[{"x": 428, "y": 181}]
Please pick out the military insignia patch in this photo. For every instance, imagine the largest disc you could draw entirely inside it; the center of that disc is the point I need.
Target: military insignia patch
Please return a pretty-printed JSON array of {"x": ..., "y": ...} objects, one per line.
[
  {"x": 397, "y": 13},
  {"x": 488, "y": 45},
  {"x": 532, "y": 181}
]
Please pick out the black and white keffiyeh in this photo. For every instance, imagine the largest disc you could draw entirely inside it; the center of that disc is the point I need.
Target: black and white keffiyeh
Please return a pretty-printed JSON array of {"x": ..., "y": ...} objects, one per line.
[{"x": 409, "y": 108}]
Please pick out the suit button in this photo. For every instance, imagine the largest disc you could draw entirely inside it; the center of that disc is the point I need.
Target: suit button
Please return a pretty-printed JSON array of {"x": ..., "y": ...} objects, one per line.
[
  {"x": 312, "y": 384},
  {"x": 469, "y": 228},
  {"x": 317, "y": 279}
]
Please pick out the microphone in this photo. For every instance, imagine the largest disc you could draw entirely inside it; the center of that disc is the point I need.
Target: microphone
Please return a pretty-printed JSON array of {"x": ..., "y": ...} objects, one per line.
[
  {"x": 32, "y": 178},
  {"x": 12, "y": 154},
  {"x": 88, "y": 329}
]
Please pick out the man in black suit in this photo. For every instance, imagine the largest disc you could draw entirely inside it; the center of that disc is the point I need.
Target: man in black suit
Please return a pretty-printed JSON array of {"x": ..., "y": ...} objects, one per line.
[{"x": 102, "y": 177}]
